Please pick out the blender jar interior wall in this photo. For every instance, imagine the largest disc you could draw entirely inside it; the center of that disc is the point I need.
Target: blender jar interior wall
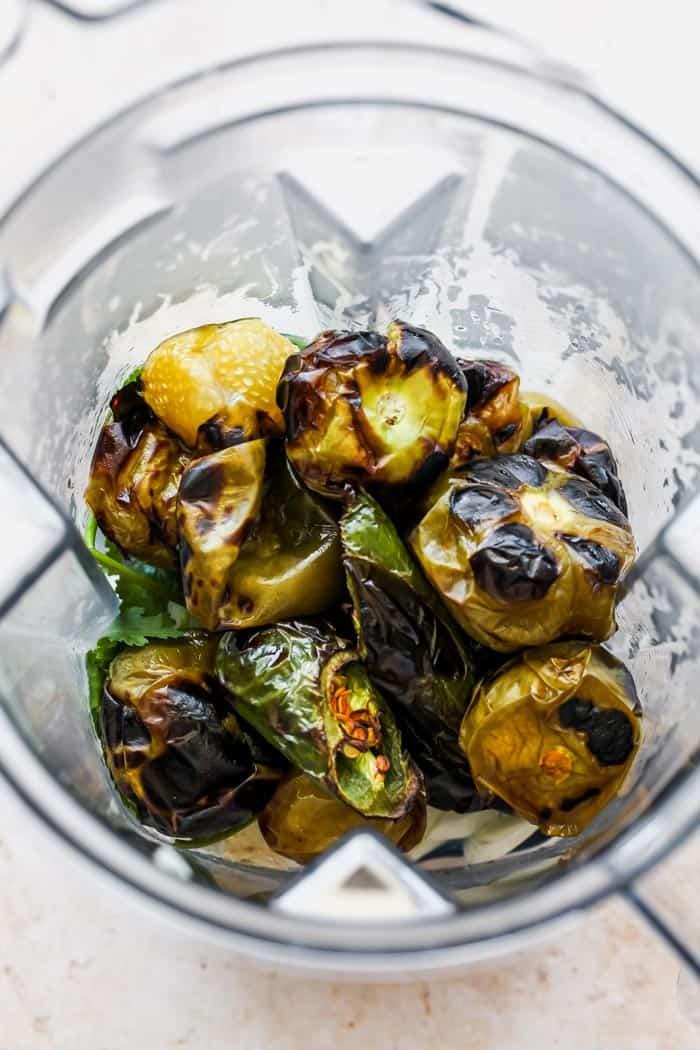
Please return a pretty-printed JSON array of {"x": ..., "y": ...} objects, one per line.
[{"x": 343, "y": 212}]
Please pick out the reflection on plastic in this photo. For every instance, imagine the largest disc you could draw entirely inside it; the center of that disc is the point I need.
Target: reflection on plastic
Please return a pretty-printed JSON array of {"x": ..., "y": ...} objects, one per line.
[
  {"x": 12, "y": 18},
  {"x": 363, "y": 878},
  {"x": 96, "y": 8},
  {"x": 682, "y": 538}
]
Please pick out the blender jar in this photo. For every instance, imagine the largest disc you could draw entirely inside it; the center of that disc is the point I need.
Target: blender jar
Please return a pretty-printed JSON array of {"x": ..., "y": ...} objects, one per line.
[{"x": 330, "y": 177}]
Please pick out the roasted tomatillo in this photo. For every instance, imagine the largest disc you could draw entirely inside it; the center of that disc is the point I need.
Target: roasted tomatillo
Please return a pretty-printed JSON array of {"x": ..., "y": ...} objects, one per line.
[
  {"x": 554, "y": 733},
  {"x": 174, "y": 748},
  {"x": 494, "y": 418},
  {"x": 256, "y": 546},
  {"x": 214, "y": 386},
  {"x": 134, "y": 480},
  {"x": 524, "y": 553},
  {"x": 363, "y": 408},
  {"x": 218, "y": 502},
  {"x": 303, "y": 819}
]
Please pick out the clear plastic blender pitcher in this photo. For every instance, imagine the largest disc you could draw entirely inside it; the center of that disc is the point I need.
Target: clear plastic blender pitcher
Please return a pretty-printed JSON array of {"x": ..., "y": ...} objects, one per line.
[{"x": 329, "y": 176}]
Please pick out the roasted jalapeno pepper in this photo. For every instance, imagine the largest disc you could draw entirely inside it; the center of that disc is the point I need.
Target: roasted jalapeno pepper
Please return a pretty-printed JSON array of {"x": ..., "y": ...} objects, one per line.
[
  {"x": 523, "y": 553},
  {"x": 256, "y": 546},
  {"x": 363, "y": 408},
  {"x": 303, "y": 819},
  {"x": 310, "y": 696},
  {"x": 214, "y": 386},
  {"x": 411, "y": 647},
  {"x": 554, "y": 733},
  {"x": 134, "y": 481},
  {"x": 175, "y": 749}
]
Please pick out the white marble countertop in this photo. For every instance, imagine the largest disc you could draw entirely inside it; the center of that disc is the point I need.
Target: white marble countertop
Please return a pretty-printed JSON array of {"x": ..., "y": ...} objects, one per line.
[{"x": 85, "y": 967}]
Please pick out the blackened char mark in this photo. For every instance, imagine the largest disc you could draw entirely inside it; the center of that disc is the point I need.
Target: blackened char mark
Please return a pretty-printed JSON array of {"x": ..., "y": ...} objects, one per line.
[
  {"x": 114, "y": 446},
  {"x": 590, "y": 501},
  {"x": 484, "y": 380},
  {"x": 476, "y": 505},
  {"x": 601, "y": 561},
  {"x": 555, "y": 442},
  {"x": 417, "y": 347},
  {"x": 500, "y": 437},
  {"x": 215, "y": 434},
  {"x": 203, "y": 483},
  {"x": 582, "y": 452},
  {"x": 511, "y": 472},
  {"x": 432, "y": 466},
  {"x": 131, "y": 411},
  {"x": 512, "y": 566},
  {"x": 596, "y": 467},
  {"x": 346, "y": 350},
  {"x": 609, "y": 732}
]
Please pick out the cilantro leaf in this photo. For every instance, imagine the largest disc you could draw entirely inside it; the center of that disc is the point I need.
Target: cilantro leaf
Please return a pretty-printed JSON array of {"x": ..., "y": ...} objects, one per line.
[
  {"x": 134, "y": 626},
  {"x": 151, "y": 607},
  {"x": 296, "y": 339},
  {"x": 138, "y": 585},
  {"x": 97, "y": 664}
]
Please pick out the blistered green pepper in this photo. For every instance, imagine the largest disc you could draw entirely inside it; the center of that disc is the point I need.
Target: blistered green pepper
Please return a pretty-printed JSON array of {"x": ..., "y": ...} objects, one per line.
[
  {"x": 309, "y": 695},
  {"x": 175, "y": 749},
  {"x": 412, "y": 648},
  {"x": 553, "y": 734},
  {"x": 303, "y": 819}
]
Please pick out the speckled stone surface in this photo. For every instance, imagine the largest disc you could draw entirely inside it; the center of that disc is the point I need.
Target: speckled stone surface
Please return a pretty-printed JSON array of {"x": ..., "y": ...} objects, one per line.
[
  {"x": 86, "y": 967},
  {"x": 83, "y": 967}
]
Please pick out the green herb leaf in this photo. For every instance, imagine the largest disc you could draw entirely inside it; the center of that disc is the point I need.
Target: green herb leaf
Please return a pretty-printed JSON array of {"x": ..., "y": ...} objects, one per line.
[
  {"x": 133, "y": 626},
  {"x": 138, "y": 585},
  {"x": 152, "y": 607},
  {"x": 296, "y": 339},
  {"x": 97, "y": 663},
  {"x": 133, "y": 377}
]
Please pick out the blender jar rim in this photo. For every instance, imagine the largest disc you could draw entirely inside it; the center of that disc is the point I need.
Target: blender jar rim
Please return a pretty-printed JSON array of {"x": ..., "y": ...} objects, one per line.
[{"x": 427, "y": 944}]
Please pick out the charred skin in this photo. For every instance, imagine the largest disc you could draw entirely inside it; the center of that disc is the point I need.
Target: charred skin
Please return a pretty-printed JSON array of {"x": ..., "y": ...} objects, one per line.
[
  {"x": 309, "y": 695},
  {"x": 495, "y": 419},
  {"x": 255, "y": 546},
  {"x": 412, "y": 649},
  {"x": 134, "y": 481},
  {"x": 303, "y": 819},
  {"x": 524, "y": 553},
  {"x": 579, "y": 451},
  {"x": 553, "y": 734},
  {"x": 173, "y": 747},
  {"x": 365, "y": 409},
  {"x": 500, "y": 420},
  {"x": 218, "y": 501}
]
